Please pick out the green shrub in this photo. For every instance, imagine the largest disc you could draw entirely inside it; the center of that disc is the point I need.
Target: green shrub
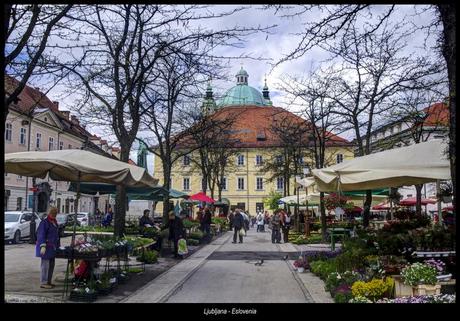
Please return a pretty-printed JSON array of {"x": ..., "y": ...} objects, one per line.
[
  {"x": 197, "y": 235},
  {"x": 193, "y": 242},
  {"x": 323, "y": 268},
  {"x": 135, "y": 270},
  {"x": 148, "y": 257},
  {"x": 342, "y": 297}
]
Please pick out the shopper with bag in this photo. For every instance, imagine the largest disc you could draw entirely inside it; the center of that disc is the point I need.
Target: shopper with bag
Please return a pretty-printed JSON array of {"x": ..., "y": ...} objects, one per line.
[
  {"x": 47, "y": 242},
  {"x": 238, "y": 226},
  {"x": 176, "y": 231}
]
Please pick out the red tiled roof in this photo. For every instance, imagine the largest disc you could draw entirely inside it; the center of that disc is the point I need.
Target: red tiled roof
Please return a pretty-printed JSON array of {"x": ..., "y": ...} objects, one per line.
[
  {"x": 115, "y": 149},
  {"x": 130, "y": 161},
  {"x": 438, "y": 115},
  {"x": 253, "y": 121}
]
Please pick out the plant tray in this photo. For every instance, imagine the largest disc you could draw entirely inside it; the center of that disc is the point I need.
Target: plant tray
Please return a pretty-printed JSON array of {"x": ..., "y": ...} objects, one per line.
[{"x": 83, "y": 297}]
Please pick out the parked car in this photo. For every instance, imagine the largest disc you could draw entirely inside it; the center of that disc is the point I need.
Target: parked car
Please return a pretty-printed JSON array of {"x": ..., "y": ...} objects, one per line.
[
  {"x": 65, "y": 220},
  {"x": 85, "y": 218},
  {"x": 17, "y": 225}
]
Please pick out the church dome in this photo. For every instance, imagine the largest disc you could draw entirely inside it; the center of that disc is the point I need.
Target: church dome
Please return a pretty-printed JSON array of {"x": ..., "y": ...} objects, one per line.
[{"x": 242, "y": 94}]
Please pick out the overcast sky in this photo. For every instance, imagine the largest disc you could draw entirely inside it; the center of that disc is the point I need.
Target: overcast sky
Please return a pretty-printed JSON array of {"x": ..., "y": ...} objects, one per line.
[{"x": 271, "y": 47}]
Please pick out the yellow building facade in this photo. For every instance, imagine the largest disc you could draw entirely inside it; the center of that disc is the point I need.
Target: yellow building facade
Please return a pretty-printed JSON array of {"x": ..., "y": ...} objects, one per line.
[{"x": 245, "y": 185}]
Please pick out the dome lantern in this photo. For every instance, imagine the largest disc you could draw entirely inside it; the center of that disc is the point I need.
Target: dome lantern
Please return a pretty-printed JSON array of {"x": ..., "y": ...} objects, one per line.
[{"x": 242, "y": 77}]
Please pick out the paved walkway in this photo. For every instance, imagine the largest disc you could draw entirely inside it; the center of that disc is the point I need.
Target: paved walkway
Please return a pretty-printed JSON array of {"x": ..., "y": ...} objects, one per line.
[{"x": 227, "y": 273}]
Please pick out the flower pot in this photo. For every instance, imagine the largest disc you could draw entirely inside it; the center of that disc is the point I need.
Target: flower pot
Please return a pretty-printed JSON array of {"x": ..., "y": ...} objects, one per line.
[
  {"x": 300, "y": 269},
  {"x": 401, "y": 289},
  {"x": 427, "y": 289}
]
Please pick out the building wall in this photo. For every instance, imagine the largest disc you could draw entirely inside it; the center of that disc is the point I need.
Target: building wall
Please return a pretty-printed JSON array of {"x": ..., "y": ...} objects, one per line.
[
  {"x": 16, "y": 185},
  {"x": 249, "y": 171}
]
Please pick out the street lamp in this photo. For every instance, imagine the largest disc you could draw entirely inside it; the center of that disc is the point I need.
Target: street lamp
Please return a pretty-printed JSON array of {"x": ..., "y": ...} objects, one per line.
[{"x": 306, "y": 172}]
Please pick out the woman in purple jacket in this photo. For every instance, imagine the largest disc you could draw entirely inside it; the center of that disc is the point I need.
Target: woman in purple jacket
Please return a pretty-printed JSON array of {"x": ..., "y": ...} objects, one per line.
[{"x": 47, "y": 243}]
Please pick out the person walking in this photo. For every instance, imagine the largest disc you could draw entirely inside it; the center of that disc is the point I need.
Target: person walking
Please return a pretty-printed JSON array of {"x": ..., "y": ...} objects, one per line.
[
  {"x": 176, "y": 231},
  {"x": 206, "y": 223},
  {"x": 33, "y": 230},
  {"x": 231, "y": 216},
  {"x": 276, "y": 225},
  {"x": 47, "y": 242},
  {"x": 260, "y": 222},
  {"x": 238, "y": 224},
  {"x": 286, "y": 226}
]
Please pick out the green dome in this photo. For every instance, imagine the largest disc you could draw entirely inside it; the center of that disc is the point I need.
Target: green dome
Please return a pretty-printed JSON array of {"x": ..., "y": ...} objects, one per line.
[{"x": 242, "y": 95}]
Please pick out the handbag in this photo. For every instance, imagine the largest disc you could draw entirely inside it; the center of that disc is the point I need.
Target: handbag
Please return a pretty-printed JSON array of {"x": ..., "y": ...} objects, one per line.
[
  {"x": 242, "y": 232},
  {"x": 182, "y": 247}
]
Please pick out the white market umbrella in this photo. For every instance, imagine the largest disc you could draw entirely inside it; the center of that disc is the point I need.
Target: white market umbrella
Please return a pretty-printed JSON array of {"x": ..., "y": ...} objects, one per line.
[
  {"x": 415, "y": 164},
  {"x": 77, "y": 165}
]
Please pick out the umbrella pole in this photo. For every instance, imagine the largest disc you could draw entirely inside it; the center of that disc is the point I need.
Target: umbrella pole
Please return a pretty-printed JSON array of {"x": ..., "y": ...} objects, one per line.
[{"x": 76, "y": 209}]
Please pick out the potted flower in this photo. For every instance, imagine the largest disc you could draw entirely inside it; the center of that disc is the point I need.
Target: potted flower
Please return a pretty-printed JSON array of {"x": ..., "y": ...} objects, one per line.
[
  {"x": 422, "y": 278},
  {"x": 301, "y": 264}
]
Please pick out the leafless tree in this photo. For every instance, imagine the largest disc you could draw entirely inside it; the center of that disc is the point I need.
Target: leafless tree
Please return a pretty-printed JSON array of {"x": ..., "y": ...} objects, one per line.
[
  {"x": 335, "y": 21},
  {"x": 311, "y": 96},
  {"x": 421, "y": 112},
  {"x": 373, "y": 70},
  {"x": 28, "y": 29}
]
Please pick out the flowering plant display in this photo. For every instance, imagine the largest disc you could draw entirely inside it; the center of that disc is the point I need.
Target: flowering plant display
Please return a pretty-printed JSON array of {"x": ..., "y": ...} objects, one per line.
[
  {"x": 360, "y": 299},
  {"x": 373, "y": 290},
  {"x": 301, "y": 262},
  {"x": 419, "y": 273},
  {"x": 334, "y": 200},
  {"x": 437, "y": 298},
  {"x": 439, "y": 265}
]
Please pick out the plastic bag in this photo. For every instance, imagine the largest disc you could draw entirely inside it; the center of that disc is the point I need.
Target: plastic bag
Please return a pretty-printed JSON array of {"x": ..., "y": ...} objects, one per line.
[
  {"x": 182, "y": 247},
  {"x": 242, "y": 232}
]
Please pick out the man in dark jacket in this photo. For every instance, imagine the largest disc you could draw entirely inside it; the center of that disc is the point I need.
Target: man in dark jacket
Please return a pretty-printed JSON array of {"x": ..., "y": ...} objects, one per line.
[
  {"x": 238, "y": 224},
  {"x": 206, "y": 222},
  {"x": 176, "y": 231},
  {"x": 146, "y": 220}
]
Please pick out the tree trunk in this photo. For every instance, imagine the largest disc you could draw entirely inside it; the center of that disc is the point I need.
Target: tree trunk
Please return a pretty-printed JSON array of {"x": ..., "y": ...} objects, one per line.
[
  {"x": 120, "y": 199},
  {"x": 418, "y": 204},
  {"x": 323, "y": 216},
  {"x": 367, "y": 208},
  {"x": 447, "y": 14},
  {"x": 166, "y": 185}
]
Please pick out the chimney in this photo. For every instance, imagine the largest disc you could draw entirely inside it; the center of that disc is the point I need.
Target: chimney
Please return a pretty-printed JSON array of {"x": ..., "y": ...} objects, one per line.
[
  {"x": 75, "y": 120},
  {"x": 56, "y": 105},
  {"x": 66, "y": 113}
]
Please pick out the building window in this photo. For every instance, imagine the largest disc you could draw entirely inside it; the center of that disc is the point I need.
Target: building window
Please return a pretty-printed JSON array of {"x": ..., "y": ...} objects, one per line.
[
  {"x": 19, "y": 177},
  {"x": 19, "y": 204},
  {"x": 259, "y": 160},
  {"x": 259, "y": 207},
  {"x": 186, "y": 184},
  {"x": 240, "y": 183},
  {"x": 186, "y": 161},
  {"x": 61, "y": 145},
  {"x": 339, "y": 158},
  {"x": 280, "y": 183},
  {"x": 38, "y": 141},
  {"x": 224, "y": 183},
  {"x": 240, "y": 160},
  {"x": 58, "y": 202},
  {"x": 70, "y": 146},
  {"x": 259, "y": 183},
  {"x": 22, "y": 136},
  {"x": 8, "y": 132},
  {"x": 7, "y": 196},
  {"x": 279, "y": 159},
  {"x": 51, "y": 143}
]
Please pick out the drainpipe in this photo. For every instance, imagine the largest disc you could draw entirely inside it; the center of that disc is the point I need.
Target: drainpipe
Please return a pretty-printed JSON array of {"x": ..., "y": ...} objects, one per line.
[{"x": 27, "y": 178}]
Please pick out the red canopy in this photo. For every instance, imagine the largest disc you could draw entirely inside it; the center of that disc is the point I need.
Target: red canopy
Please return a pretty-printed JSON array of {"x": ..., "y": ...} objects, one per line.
[
  {"x": 381, "y": 206},
  {"x": 201, "y": 197},
  {"x": 411, "y": 201}
]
